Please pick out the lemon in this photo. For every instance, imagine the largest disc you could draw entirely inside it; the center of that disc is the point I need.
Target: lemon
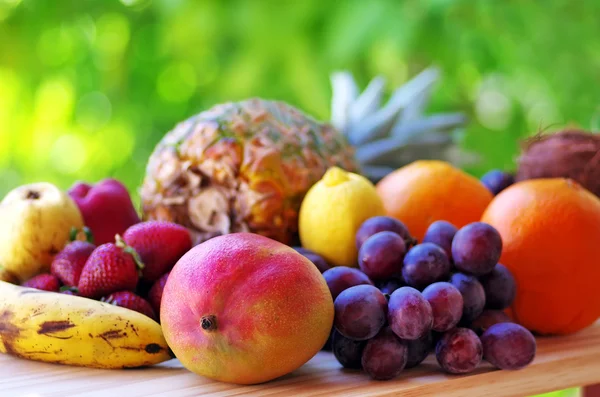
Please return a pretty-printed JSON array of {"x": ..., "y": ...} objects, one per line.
[{"x": 333, "y": 210}]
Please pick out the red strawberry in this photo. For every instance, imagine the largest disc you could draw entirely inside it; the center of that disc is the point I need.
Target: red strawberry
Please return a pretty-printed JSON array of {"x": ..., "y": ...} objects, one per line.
[
  {"x": 110, "y": 268},
  {"x": 68, "y": 264},
  {"x": 155, "y": 293},
  {"x": 44, "y": 281},
  {"x": 160, "y": 244},
  {"x": 131, "y": 301}
]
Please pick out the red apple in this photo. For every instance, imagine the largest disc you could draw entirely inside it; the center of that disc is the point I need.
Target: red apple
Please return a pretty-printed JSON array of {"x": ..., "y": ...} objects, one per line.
[
  {"x": 245, "y": 309},
  {"x": 106, "y": 207}
]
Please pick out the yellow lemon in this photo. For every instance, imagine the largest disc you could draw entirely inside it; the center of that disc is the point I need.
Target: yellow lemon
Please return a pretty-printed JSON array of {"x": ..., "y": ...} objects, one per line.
[{"x": 333, "y": 210}]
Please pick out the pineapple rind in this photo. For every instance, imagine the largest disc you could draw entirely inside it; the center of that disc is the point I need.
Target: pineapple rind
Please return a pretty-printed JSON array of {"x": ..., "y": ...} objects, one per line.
[{"x": 242, "y": 166}]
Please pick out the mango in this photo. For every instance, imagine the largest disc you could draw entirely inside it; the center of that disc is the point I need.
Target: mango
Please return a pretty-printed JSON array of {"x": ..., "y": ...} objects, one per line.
[{"x": 245, "y": 309}]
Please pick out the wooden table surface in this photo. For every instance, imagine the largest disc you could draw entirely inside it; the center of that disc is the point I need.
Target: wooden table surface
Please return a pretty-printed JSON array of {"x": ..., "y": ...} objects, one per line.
[{"x": 561, "y": 362}]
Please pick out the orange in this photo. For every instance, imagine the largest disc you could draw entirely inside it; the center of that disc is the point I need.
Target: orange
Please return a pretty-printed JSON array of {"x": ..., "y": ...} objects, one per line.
[
  {"x": 425, "y": 191},
  {"x": 550, "y": 232}
]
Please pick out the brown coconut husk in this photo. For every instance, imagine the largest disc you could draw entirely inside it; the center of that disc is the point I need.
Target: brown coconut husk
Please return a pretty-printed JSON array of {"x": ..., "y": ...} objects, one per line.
[{"x": 570, "y": 153}]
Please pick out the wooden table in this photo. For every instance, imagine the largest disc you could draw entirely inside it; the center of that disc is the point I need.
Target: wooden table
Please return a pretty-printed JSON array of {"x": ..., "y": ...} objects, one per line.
[{"x": 561, "y": 362}]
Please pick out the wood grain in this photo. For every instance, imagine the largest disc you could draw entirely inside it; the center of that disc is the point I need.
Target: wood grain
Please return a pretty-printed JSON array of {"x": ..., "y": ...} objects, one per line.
[{"x": 561, "y": 362}]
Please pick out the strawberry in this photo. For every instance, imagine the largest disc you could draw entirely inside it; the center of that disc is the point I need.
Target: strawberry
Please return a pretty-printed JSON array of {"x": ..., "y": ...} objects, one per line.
[
  {"x": 110, "y": 268},
  {"x": 155, "y": 293},
  {"x": 68, "y": 264},
  {"x": 44, "y": 281},
  {"x": 160, "y": 244},
  {"x": 129, "y": 300}
]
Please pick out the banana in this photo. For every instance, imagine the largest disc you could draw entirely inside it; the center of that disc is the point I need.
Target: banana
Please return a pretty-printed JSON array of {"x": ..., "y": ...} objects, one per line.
[{"x": 66, "y": 329}]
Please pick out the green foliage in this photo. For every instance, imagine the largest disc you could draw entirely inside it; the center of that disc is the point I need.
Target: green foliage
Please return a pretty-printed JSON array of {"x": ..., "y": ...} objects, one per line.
[{"x": 87, "y": 88}]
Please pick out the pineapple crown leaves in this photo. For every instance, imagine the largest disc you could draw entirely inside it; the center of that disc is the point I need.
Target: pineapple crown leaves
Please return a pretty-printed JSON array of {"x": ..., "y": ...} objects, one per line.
[{"x": 398, "y": 132}]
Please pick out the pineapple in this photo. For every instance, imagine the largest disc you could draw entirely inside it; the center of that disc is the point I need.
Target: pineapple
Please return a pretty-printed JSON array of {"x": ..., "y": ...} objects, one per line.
[
  {"x": 246, "y": 166},
  {"x": 239, "y": 167}
]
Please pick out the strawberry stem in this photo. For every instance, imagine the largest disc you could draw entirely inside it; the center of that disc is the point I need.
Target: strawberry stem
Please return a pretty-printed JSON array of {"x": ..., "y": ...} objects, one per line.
[
  {"x": 89, "y": 236},
  {"x": 130, "y": 250},
  {"x": 69, "y": 288}
]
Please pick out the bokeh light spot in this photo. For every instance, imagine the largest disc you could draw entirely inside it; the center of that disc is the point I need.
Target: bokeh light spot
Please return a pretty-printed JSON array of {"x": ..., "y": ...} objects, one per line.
[
  {"x": 136, "y": 4},
  {"x": 177, "y": 82},
  {"x": 112, "y": 146},
  {"x": 94, "y": 111},
  {"x": 493, "y": 109},
  {"x": 54, "y": 101},
  {"x": 68, "y": 154},
  {"x": 112, "y": 34},
  {"x": 55, "y": 46}
]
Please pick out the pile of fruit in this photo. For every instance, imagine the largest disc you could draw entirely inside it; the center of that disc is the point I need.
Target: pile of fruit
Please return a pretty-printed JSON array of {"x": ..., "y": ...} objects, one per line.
[
  {"x": 444, "y": 294},
  {"x": 266, "y": 236},
  {"x": 93, "y": 282},
  {"x": 129, "y": 270}
]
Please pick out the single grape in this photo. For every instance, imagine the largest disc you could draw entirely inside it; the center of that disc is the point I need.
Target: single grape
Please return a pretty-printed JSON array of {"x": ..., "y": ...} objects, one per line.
[
  {"x": 384, "y": 356},
  {"x": 496, "y": 181},
  {"x": 441, "y": 234},
  {"x": 476, "y": 248},
  {"x": 378, "y": 224},
  {"x": 419, "y": 349},
  {"x": 348, "y": 352},
  {"x": 446, "y": 304},
  {"x": 339, "y": 278},
  {"x": 315, "y": 258},
  {"x": 380, "y": 257},
  {"x": 473, "y": 296},
  {"x": 389, "y": 286},
  {"x": 360, "y": 312},
  {"x": 508, "y": 346},
  {"x": 487, "y": 319},
  {"x": 500, "y": 288},
  {"x": 409, "y": 314},
  {"x": 425, "y": 264},
  {"x": 459, "y": 351}
]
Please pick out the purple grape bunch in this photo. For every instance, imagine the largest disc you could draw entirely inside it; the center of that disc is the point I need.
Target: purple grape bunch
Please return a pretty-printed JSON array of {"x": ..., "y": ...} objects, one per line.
[{"x": 406, "y": 300}]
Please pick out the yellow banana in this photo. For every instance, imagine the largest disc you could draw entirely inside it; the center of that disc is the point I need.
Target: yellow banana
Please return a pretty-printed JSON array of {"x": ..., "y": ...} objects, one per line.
[{"x": 66, "y": 329}]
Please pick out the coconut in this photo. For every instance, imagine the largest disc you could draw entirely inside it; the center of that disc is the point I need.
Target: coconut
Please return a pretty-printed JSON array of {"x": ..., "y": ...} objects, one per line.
[{"x": 570, "y": 153}]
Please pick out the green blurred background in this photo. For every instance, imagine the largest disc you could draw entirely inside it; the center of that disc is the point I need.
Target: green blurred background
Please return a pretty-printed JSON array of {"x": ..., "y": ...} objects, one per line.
[{"x": 87, "y": 88}]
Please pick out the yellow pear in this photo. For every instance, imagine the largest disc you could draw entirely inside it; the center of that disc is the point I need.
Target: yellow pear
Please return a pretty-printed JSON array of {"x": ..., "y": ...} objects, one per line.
[{"x": 35, "y": 223}]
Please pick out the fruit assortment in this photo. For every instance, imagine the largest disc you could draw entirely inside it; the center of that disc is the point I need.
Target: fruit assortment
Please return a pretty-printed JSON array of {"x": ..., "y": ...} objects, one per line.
[
  {"x": 119, "y": 272},
  {"x": 405, "y": 299},
  {"x": 266, "y": 236},
  {"x": 102, "y": 295},
  {"x": 246, "y": 165}
]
